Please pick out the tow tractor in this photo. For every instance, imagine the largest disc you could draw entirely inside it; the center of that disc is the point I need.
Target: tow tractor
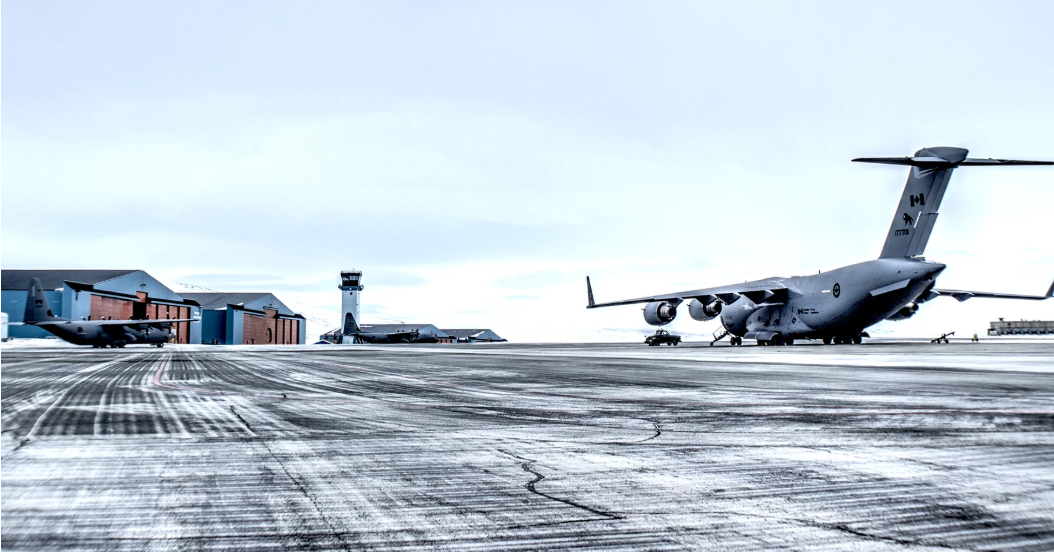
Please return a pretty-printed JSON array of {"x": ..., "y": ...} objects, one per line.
[{"x": 942, "y": 339}]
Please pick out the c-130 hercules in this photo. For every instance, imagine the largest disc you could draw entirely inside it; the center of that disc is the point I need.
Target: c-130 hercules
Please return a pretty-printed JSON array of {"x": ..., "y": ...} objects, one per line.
[
  {"x": 837, "y": 306},
  {"x": 97, "y": 333}
]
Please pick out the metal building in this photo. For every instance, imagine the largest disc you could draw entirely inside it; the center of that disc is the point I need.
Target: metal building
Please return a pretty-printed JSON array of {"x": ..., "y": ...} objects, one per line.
[
  {"x": 99, "y": 294},
  {"x": 475, "y": 336},
  {"x": 1022, "y": 327},
  {"x": 248, "y": 319}
]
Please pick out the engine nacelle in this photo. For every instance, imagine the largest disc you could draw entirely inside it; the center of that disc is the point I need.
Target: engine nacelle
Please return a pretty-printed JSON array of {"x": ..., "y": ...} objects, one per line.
[
  {"x": 903, "y": 314},
  {"x": 659, "y": 313},
  {"x": 703, "y": 312}
]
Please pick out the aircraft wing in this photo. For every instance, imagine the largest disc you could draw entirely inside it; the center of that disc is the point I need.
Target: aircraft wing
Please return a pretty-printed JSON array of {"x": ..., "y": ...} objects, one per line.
[
  {"x": 119, "y": 322},
  {"x": 962, "y": 295},
  {"x": 760, "y": 291}
]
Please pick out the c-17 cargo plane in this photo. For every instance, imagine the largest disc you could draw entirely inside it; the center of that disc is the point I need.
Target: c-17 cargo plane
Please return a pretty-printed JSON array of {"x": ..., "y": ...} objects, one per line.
[
  {"x": 838, "y": 306},
  {"x": 97, "y": 333}
]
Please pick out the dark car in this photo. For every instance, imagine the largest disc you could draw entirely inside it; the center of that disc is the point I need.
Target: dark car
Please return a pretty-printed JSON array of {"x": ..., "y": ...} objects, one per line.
[{"x": 662, "y": 336}]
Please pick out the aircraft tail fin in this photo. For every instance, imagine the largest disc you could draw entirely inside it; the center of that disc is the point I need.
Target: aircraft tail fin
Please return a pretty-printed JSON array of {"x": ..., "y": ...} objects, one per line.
[
  {"x": 589, "y": 293},
  {"x": 351, "y": 326},
  {"x": 931, "y": 169},
  {"x": 37, "y": 307}
]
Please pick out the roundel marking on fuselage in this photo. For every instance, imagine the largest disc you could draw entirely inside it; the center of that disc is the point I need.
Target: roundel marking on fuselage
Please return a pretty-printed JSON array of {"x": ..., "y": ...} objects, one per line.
[{"x": 836, "y": 290}]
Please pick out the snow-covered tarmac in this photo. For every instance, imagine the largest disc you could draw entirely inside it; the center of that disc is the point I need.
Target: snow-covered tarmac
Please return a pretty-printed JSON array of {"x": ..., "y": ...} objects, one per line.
[{"x": 885, "y": 446}]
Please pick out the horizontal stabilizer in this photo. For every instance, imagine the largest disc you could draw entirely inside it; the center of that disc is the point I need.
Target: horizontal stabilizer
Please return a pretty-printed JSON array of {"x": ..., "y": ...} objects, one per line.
[
  {"x": 931, "y": 161},
  {"x": 970, "y": 162}
]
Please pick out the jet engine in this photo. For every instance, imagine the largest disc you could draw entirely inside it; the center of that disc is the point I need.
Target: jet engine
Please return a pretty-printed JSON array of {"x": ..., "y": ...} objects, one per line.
[
  {"x": 659, "y": 313},
  {"x": 903, "y": 314},
  {"x": 703, "y": 312}
]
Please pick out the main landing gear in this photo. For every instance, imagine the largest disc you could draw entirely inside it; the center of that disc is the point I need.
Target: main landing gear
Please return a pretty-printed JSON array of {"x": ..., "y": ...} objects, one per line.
[
  {"x": 777, "y": 340},
  {"x": 735, "y": 341}
]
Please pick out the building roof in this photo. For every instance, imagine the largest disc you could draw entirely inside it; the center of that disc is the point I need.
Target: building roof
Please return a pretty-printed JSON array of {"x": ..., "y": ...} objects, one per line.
[
  {"x": 77, "y": 286},
  {"x": 463, "y": 333},
  {"x": 218, "y": 300},
  {"x": 53, "y": 279}
]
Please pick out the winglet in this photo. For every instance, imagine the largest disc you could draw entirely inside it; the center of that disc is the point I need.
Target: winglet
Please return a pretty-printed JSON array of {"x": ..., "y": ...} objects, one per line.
[
  {"x": 1050, "y": 292},
  {"x": 589, "y": 293}
]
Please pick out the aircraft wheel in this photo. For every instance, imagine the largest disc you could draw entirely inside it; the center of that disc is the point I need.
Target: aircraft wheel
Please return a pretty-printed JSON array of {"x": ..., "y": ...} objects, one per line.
[
  {"x": 789, "y": 342},
  {"x": 777, "y": 340},
  {"x": 837, "y": 340},
  {"x": 857, "y": 339},
  {"x": 827, "y": 341}
]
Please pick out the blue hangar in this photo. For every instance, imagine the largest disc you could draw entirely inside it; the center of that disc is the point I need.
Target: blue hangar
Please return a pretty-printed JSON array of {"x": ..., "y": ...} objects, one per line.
[{"x": 247, "y": 319}]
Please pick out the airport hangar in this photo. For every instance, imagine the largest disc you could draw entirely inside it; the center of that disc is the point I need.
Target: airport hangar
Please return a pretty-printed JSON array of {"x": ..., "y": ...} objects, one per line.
[
  {"x": 475, "y": 336},
  {"x": 228, "y": 318},
  {"x": 248, "y": 319}
]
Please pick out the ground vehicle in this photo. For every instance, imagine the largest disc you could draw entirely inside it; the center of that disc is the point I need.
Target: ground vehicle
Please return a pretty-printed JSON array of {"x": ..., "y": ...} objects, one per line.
[{"x": 662, "y": 336}]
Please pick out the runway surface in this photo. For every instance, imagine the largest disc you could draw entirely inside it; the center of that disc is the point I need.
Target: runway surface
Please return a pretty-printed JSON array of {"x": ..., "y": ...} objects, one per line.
[{"x": 873, "y": 447}]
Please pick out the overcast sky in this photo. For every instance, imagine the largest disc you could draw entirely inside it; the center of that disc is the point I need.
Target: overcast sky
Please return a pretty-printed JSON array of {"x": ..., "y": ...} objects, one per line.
[{"x": 478, "y": 160}]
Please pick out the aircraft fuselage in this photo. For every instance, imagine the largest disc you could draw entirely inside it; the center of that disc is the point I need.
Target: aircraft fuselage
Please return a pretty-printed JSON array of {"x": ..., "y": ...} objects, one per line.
[{"x": 844, "y": 301}]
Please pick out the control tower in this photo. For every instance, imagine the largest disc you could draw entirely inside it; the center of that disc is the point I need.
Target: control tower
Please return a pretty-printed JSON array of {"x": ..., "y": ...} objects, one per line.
[{"x": 350, "y": 286}]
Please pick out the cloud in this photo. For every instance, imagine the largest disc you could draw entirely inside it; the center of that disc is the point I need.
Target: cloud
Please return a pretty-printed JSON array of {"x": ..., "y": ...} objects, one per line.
[{"x": 477, "y": 170}]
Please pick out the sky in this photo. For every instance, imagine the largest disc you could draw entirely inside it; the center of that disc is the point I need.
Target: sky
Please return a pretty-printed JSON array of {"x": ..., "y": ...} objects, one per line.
[{"x": 476, "y": 160}]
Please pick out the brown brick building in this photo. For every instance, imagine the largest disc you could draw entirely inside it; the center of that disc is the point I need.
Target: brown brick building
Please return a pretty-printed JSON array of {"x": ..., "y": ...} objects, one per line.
[{"x": 248, "y": 319}]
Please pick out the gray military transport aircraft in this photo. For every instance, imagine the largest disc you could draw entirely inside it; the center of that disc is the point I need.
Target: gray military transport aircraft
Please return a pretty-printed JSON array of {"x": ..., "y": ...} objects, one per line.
[
  {"x": 837, "y": 306},
  {"x": 97, "y": 333},
  {"x": 351, "y": 328}
]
